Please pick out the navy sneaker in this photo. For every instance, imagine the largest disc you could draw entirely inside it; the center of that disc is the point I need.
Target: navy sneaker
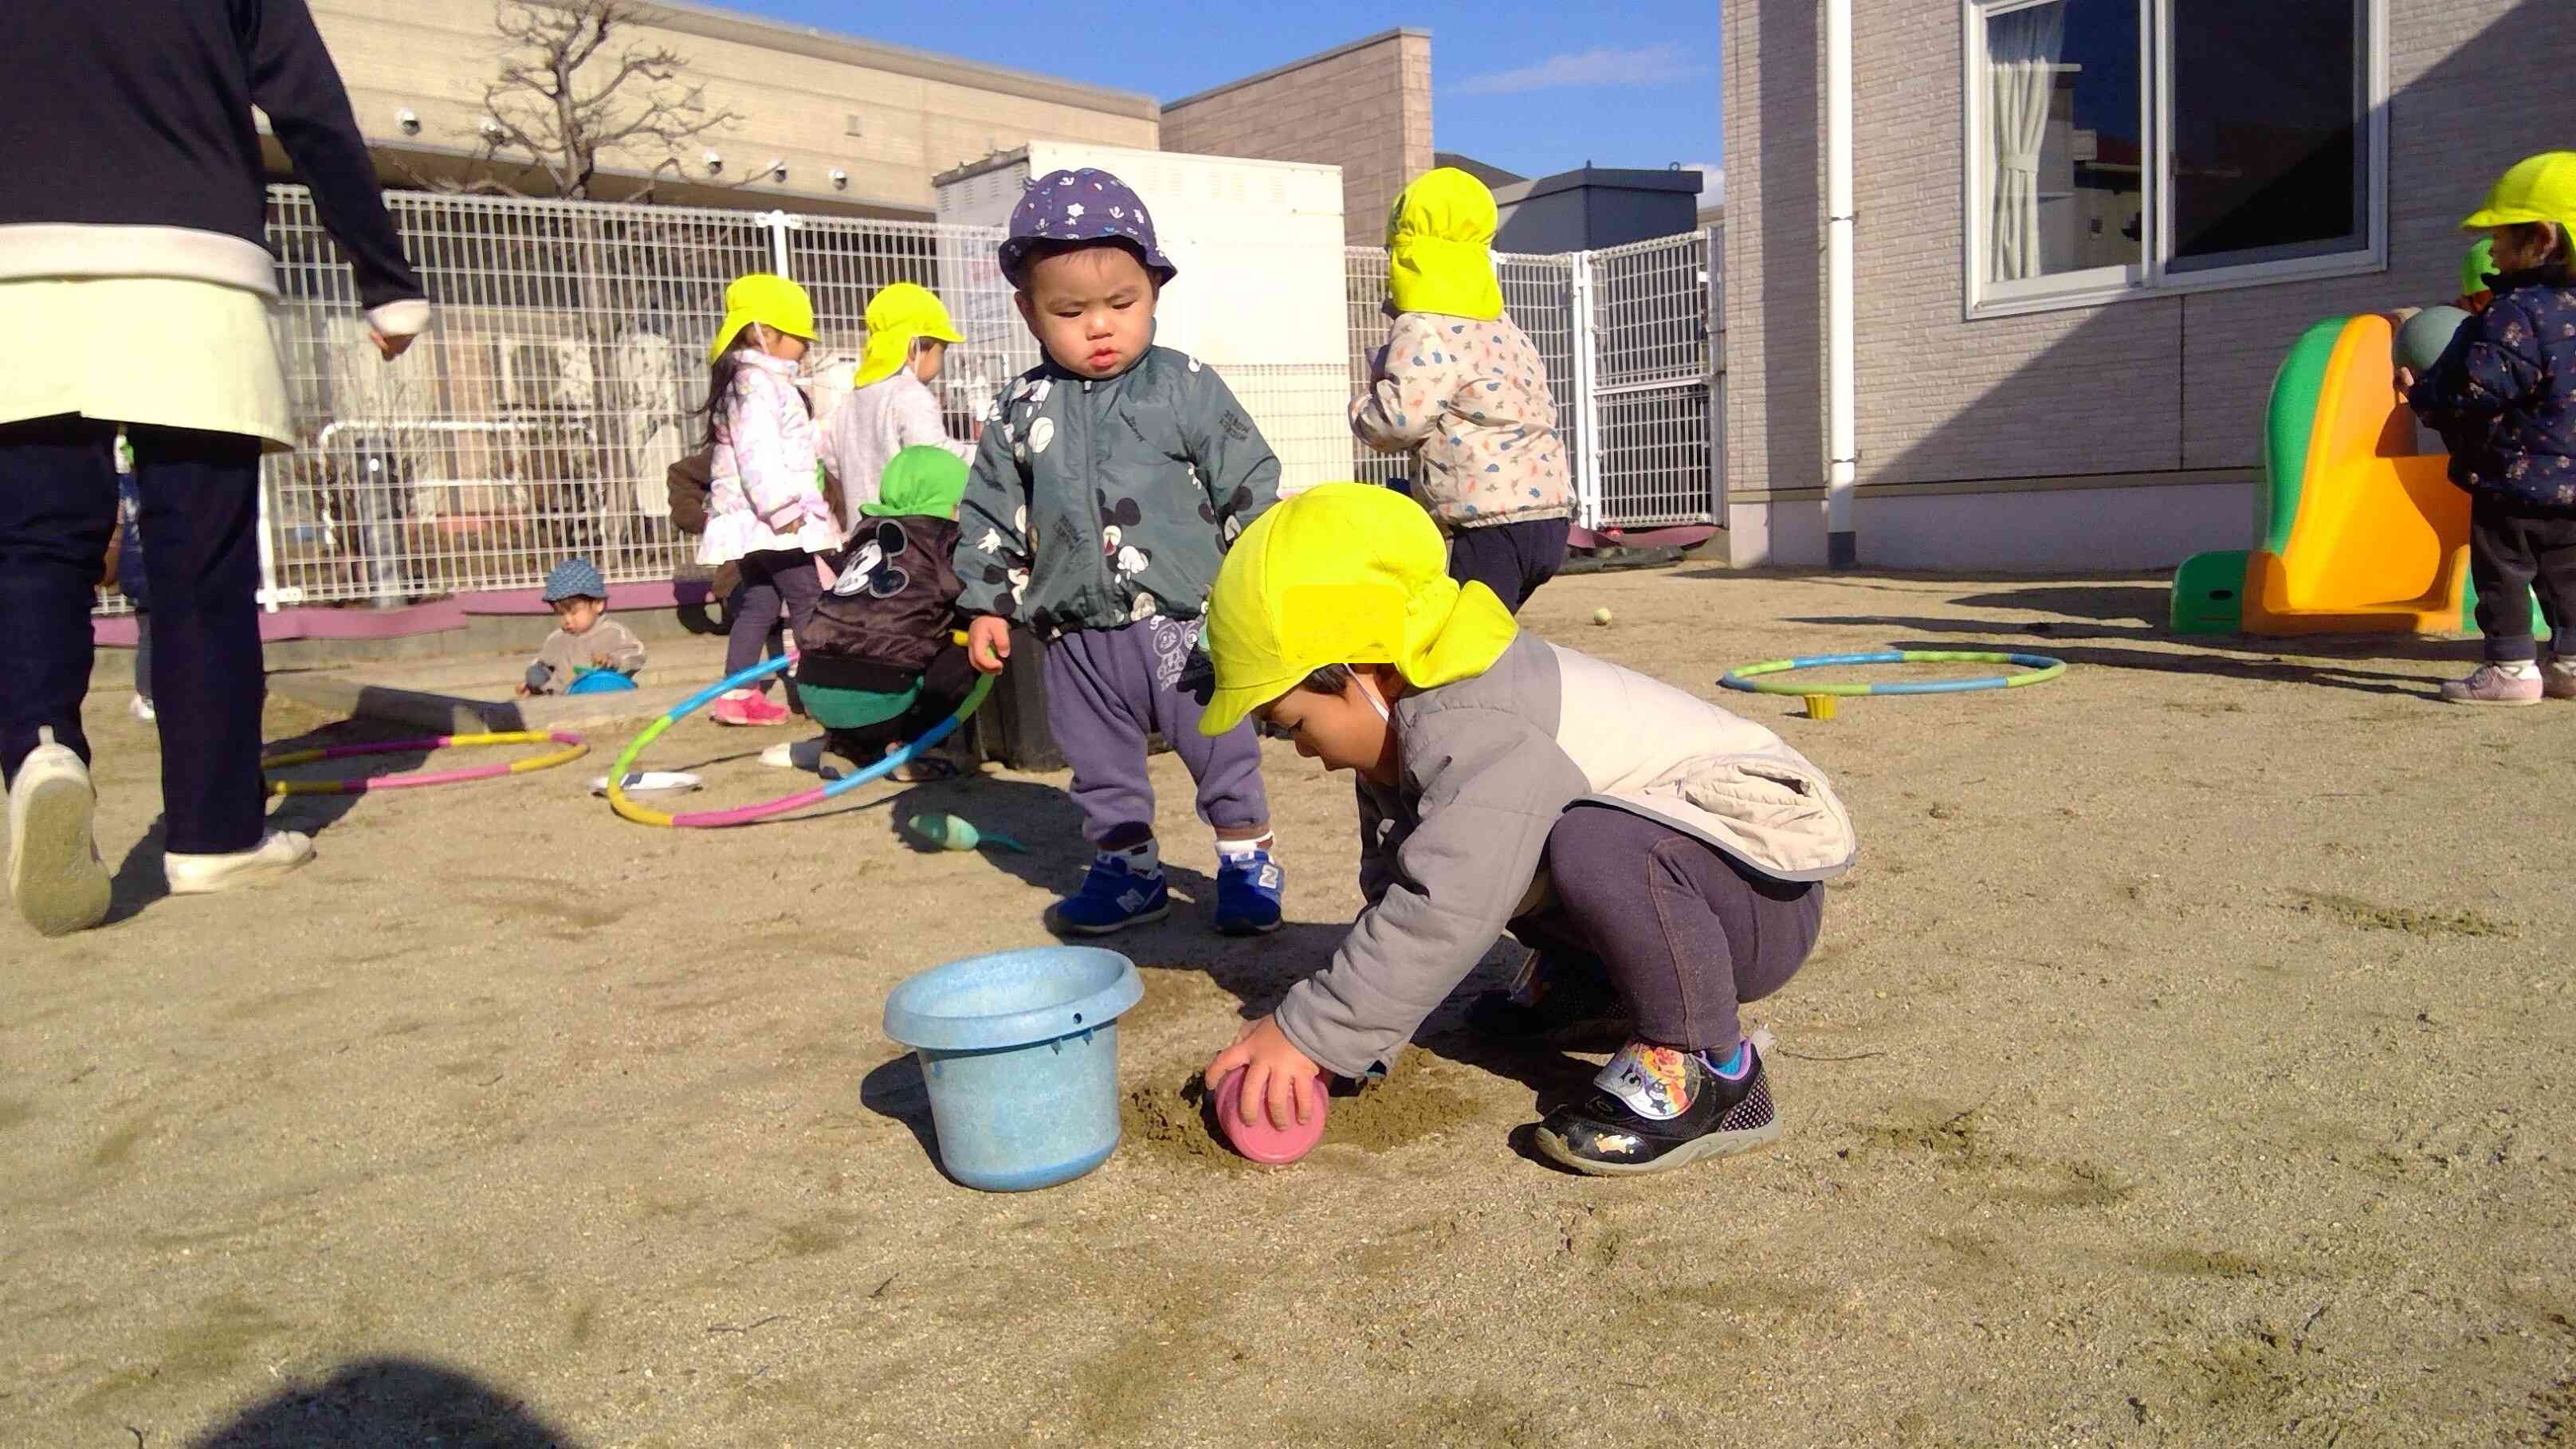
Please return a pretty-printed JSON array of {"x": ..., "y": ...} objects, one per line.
[
  {"x": 1248, "y": 888},
  {"x": 1552, "y": 1002},
  {"x": 1114, "y": 896},
  {"x": 1658, "y": 1109}
]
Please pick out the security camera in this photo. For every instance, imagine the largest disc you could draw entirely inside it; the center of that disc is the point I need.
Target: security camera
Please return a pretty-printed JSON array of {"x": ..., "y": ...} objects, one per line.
[
  {"x": 777, "y": 167},
  {"x": 409, "y": 120},
  {"x": 840, "y": 179},
  {"x": 715, "y": 163}
]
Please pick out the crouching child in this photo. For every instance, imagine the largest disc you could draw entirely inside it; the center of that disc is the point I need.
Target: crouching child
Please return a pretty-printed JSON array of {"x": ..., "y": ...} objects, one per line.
[{"x": 1663, "y": 857}]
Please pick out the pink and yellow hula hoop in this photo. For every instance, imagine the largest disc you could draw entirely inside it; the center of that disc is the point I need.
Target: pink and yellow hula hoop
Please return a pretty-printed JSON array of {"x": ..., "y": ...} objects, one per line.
[{"x": 574, "y": 747}]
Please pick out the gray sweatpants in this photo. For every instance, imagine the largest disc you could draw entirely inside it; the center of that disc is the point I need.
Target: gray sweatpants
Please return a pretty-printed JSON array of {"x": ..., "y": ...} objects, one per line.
[
  {"x": 1684, "y": 933},
  {"x": 1107, "y": 689}
]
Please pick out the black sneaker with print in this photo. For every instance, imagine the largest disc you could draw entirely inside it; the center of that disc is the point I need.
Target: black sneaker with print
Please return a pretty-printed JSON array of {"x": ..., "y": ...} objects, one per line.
[{"x": 1659, "y": 1108}]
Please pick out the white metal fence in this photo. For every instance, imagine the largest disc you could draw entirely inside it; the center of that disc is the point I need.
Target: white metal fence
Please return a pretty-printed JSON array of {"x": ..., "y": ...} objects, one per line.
[{"x": 567, "y": 370}]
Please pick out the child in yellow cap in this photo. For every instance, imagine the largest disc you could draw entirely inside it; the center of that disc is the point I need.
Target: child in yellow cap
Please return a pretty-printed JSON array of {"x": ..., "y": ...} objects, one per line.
[
  {"x": 1662, "y": 856},
  {"x": 892, "y": 407},
  {"x": 1461, "y": 387},
  {"x": 766, "y": 513},
  {"x": 2503, "y": 397}
]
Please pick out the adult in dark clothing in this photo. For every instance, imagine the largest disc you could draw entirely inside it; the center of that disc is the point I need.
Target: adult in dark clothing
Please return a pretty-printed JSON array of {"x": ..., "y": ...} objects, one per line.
[{"x": 132, "y": 229}]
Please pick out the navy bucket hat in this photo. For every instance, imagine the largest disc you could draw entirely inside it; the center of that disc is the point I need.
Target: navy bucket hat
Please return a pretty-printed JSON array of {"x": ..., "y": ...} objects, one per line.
[
  {"x": 575, "y": 578},
  {"x": 1082, "y": 206}
]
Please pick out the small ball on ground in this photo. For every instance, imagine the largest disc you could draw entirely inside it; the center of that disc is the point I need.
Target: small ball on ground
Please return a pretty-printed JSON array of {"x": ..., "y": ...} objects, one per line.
[{"x": 1601, "y": 616}]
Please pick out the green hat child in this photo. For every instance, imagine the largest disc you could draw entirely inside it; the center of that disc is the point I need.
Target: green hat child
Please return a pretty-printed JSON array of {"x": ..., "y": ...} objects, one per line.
[{"x": 921, "y": 482}]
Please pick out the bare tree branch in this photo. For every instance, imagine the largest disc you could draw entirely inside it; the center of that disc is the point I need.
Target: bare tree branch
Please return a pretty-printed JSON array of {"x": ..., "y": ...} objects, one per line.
[{"x": 570, "y": 98}]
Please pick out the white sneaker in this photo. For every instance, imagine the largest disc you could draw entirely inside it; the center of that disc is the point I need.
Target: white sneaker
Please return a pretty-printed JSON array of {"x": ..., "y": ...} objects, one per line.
[
  {"x": 806, "y": 755},
  {"x": 203, "y": 875},
  {"x": 55, "y": 875},
  {"x": 141, "y": 708}
]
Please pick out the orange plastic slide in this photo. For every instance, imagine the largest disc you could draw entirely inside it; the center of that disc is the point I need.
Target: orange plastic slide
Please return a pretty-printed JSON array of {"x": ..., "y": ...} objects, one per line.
[{"x": 2379, "y": 537}]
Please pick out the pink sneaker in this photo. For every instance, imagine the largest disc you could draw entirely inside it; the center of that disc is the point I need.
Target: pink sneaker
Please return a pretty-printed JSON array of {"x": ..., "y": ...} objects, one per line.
[
  {"x": 749, "y": 708},
  {"x": 2491, "y": 685}
]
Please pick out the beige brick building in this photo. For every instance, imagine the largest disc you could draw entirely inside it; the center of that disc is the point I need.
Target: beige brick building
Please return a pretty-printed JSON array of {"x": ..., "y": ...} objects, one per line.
[
  {"x": 1365, "y": 107},
  {"x": 884, "y": 117},
  {"x": 2070, "y": 370}
]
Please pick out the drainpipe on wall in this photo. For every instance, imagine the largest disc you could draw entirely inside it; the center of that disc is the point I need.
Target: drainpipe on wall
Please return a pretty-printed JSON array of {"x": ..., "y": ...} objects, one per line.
[{"x": 1842, "y": 433}]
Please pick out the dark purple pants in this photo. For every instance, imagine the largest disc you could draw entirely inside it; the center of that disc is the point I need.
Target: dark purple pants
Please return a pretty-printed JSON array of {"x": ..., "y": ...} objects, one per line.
[
  {"x": 1512, "y": 559},
  {"x": 1107, "y": 689},
  {"x": 777, "y": 585},
  {"x": 1684, "y": 933}
]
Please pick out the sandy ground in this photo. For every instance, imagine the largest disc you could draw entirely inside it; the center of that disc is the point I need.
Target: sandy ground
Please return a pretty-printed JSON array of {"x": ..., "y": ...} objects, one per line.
[{"x": 2188, "y": 1061}]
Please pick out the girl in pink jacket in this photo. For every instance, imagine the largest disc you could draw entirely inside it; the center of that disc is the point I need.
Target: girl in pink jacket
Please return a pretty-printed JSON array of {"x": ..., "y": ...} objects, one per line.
[{"x": 766, "y": 510}]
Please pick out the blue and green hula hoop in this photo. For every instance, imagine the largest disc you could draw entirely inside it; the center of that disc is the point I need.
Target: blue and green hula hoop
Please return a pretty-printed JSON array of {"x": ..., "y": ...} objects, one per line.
[{"x": 1749, "y": 677}]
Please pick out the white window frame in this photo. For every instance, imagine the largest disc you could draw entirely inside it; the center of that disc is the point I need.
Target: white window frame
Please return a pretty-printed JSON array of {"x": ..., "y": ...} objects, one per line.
[{"x": 2152, "y": 276}]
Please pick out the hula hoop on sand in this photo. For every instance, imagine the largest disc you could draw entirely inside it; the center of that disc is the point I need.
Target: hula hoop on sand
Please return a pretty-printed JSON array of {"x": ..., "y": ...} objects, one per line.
[
  {"x": 1748, "y": 677},
  {"x": 619, "y": 801},
  {"x": 574, "y": 747}
]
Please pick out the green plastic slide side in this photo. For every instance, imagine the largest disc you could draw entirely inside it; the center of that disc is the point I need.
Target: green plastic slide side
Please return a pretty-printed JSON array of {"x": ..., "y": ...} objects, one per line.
[
  {"x": 2209, "y": 593},
  {"x": 2289, "y": 418}
]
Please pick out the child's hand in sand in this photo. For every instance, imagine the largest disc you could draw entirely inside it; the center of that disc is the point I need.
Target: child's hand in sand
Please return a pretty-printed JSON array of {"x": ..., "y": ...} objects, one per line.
[{"x": 1272, "y": 1068}]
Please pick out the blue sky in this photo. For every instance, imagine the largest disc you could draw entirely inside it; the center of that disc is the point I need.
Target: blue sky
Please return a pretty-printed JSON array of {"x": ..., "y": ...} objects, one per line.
[{"x": 1531, "y": 88}]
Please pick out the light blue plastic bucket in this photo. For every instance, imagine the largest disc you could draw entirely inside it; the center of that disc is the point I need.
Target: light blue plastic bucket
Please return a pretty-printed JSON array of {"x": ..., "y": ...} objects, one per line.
[{"x": 1020, "y": 1052}]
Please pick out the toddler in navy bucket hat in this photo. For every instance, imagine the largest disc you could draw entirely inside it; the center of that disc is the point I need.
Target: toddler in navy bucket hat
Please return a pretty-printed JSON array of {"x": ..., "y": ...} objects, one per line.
[
  {"x": 587, "y": 640},
  {"x": 1139, "y": 468}
]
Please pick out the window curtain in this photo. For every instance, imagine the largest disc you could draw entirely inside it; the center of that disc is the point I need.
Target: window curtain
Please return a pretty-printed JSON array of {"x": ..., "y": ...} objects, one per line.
[{"x": 2021, "y": 73}]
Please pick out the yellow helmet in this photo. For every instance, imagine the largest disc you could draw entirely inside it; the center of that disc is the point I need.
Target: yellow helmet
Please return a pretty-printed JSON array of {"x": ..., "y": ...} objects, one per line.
[
  {"x": 770, "y": 300},
  {"x": 2536, "y": 188},
  {"x": 1343, "y": 573},
  {"x": 897, "y": 315}
]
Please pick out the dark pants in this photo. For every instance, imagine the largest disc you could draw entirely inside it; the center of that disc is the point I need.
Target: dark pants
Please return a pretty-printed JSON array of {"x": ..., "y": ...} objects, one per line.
[
  {"x": 2513, "y": 549},
  {"x": 779, "y": 584},
  {"x": 944, "y": 686},
  {"x": 1106, "y": 690},
  {"x": 1684, "y": 933},
  {"x": 201, "y": 511},
  {"x": 1512, "y": 559}
]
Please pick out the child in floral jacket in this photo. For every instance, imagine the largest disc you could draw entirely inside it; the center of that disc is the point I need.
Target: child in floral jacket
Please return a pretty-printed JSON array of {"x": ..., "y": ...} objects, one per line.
[{"x": 1461, "y": 386}]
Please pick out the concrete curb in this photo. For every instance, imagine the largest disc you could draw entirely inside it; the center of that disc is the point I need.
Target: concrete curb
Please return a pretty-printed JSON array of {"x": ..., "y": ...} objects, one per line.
[{"x": 450, "y": 714}]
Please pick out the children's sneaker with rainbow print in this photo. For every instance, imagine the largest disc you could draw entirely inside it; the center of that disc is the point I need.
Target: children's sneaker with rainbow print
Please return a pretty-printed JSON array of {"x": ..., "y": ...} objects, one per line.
[
  {"x": 1124, "y": 888},
  {"x": 1659, "y": 1108},
  {"x": 1249, "y": 887}
]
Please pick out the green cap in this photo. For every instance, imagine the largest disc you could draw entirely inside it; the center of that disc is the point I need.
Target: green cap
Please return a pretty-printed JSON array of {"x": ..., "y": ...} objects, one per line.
[{"x": 921, "y": 482}]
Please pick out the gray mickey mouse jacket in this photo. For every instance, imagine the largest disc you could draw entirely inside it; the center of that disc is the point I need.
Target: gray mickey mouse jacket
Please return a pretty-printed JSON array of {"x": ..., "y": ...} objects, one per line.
[{"x": 1095, "y": 504}]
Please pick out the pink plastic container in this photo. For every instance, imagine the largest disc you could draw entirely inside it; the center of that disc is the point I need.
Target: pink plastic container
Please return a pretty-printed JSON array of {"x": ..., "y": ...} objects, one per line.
[{"x": 1260, "y": 1141}]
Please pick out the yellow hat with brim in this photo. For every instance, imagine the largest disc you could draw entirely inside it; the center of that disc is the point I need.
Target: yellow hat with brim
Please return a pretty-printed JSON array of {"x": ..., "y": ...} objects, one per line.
[
  {"x": 1440, "y": 247},
  {"x": 771, "y": 301},
  {"x": 898, "y": 316},
  {"x": 2536, "y": 188},
  {"x": 1344, "y": 573}
]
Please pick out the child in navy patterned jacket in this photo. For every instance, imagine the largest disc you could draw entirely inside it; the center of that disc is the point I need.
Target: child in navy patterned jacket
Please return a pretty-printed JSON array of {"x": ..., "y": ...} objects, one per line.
[{"x": 2503, "y": 397}]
